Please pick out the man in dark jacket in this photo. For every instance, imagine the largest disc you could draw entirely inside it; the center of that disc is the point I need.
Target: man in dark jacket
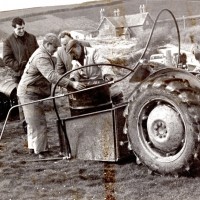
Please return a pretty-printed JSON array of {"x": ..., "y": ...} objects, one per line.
[{"x": 18, "y": 48}]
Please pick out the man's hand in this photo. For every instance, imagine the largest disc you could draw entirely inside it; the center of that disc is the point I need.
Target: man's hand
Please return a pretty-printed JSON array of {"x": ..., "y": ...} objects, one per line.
[
  {"x": 108, "y": 77},
  {"x": 77, "y": 85}
]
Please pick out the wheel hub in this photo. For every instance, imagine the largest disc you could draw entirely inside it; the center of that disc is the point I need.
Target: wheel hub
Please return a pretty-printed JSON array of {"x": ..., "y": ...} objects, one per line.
[
  {"x": 160, "y": 129},
  {"x": 165, "y": 128}
]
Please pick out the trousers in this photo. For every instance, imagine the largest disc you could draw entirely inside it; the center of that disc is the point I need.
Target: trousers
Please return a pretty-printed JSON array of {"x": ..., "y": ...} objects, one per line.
[{"x": 36, "y": 124}]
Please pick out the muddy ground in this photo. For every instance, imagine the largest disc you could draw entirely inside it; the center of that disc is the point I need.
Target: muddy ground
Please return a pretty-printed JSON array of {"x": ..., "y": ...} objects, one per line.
[{"x": 23, "y": 177}]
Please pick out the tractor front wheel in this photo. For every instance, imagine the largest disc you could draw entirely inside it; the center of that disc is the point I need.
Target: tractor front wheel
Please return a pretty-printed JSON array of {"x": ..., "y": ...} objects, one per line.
[{"x": 163, "y": 125}]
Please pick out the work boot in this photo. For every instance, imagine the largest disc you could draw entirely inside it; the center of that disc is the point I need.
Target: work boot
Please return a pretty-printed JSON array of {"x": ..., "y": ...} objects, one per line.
[
  {"x": 44, "y": 154},
  {"x": 41, "y": 155},
  {"x": 31, "y": 151}
]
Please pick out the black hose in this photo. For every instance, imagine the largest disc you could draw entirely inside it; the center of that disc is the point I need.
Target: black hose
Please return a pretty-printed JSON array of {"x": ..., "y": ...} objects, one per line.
[
  {"x": 149, "y": 39},
  {"x": 54, "y": 101},
  {"x": 115, "y": 65}
]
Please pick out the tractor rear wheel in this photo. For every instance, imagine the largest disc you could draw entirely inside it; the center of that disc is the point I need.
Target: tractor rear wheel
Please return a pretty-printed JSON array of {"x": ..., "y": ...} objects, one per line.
[{"x": 163, "y": 124}]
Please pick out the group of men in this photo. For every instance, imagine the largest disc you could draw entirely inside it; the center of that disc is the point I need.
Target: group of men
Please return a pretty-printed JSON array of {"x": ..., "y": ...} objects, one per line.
[{"x": 34, "y": 70}]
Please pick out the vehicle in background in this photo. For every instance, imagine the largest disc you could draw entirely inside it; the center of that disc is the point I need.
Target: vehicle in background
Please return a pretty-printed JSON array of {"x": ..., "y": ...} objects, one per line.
[{"x": 158, "y": 58}]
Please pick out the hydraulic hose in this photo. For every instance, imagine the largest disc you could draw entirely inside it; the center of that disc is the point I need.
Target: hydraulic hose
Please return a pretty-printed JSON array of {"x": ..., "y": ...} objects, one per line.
[
  {"x": 119, "y": 66},
  {"x": 54, "y": 102},
  {"x": 149, "y": 39}
]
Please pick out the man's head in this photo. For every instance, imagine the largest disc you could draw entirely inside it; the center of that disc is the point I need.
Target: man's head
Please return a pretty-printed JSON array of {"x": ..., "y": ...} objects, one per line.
[
  {"x": 18, "y": 24},
  {"x": 64, "y": 42},
  {"x": 51, "y": 42},
  {"x": 65, "y": 37},
  {"x": 75, "y": 49}
]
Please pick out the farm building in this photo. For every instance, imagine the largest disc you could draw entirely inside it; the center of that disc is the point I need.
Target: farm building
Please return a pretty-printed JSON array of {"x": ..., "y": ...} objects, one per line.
[
  {"x": 83, "y": 35},
  {"x": 79, "y": 34},
  {"x": 126, "y": 26}
]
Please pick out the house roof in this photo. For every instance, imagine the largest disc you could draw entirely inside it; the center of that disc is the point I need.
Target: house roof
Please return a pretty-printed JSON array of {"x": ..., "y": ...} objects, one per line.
[
  {"x": 137, "y": 19},
  {"x": 127, "y": 20},
  {"x": 117, "y": 21},
  {"x": 79, "y": 32}
]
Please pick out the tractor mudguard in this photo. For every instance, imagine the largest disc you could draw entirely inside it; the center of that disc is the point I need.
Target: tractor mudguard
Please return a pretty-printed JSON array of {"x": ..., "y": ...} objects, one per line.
[
  {"x": 143, "y": 71},
  {"x": 147, "y": 72}
]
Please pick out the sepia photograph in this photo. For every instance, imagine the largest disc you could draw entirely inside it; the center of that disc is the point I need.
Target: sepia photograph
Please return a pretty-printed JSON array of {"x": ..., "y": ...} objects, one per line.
[{"x": 100, "y": 100}]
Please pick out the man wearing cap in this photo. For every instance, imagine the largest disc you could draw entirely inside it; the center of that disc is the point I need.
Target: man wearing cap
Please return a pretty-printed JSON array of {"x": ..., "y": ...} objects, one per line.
[
  {"x": 35, "y": 84},
  {"x": 63, "y": 58},
  {"x": 83, "y": 56}
]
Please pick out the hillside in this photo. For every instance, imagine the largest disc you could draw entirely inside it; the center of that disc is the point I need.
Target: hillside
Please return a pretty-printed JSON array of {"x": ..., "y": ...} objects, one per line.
[{"x": 86, "y": 16}]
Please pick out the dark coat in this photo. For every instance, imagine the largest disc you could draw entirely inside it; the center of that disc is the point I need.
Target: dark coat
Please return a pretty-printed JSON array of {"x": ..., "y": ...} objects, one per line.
[{"x": 17, "y": 50}]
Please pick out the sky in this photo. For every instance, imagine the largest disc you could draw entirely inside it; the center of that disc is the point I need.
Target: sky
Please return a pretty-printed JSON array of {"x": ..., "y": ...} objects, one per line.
[{"x": 20, "y": 4}]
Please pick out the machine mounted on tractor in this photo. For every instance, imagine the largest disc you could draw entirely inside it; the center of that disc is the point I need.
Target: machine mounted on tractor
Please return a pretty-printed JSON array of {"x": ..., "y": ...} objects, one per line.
[{"x": 159, "y": 123}]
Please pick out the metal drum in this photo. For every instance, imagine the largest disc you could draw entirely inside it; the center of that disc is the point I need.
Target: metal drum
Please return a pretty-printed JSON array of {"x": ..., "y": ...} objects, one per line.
[
  {"x": 91, "y": 100},
  {"x": 8, "y": 87},
  {"x": 4, "y": 106},
  {"x": 8, "y": 98}
]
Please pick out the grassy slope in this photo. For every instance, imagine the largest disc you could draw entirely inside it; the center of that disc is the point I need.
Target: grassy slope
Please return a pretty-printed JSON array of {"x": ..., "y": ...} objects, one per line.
[{"x": 86, "y": 16}]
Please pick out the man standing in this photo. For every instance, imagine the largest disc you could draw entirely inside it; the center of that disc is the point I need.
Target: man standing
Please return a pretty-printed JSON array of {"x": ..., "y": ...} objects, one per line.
[
  {"x": 35, "y": 84},
  {"x": 18, "y": 48},
  {"x": 63, "y": 58}
]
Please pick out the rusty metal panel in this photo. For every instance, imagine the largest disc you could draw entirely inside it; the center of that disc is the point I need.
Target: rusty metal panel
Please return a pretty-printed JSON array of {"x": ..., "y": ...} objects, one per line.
[
  {"x": 96, "y": 136},
  {"x": 121, "y": 139},
  {"x": 92, "y": 136}
]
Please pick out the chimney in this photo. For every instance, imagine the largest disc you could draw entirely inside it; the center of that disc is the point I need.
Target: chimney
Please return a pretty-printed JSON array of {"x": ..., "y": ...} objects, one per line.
[
  {"x": 118, "y": 12},
  {"x": 115, "y": 13},
  {"x": 141, "y": 8},
  {"x": 144, "y": 8},
  {"x": 102, "y": 14}
]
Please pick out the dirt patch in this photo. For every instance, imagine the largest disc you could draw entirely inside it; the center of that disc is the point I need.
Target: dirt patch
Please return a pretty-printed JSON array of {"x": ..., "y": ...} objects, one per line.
[{"x": 24, "y": 177}]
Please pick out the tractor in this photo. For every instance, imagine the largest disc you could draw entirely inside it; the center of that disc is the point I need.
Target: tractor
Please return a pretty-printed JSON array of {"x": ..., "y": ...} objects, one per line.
[{"x": 159, "y": 123}]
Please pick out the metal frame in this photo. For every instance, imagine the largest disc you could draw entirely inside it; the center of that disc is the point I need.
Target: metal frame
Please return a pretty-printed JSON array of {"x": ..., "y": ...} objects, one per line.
[{"x": 103, "y": 139}]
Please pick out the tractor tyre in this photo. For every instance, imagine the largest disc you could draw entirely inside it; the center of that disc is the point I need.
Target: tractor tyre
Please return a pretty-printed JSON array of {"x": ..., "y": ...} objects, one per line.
[{"x": 163, "y": 124}]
